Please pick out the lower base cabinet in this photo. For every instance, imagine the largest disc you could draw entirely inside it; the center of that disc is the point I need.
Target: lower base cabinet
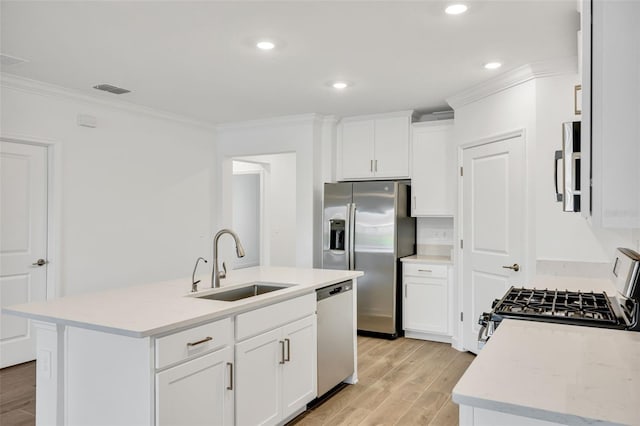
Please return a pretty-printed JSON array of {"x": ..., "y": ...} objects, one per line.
[
  {"x": 427, "y": 301},
  {"x": 276, "y": 373},
  {"x": 197, "y": 392}
]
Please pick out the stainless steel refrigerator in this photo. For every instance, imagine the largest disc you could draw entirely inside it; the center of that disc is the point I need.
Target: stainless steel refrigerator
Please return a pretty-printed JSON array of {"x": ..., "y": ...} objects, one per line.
[{"x": 367, "y": 227}]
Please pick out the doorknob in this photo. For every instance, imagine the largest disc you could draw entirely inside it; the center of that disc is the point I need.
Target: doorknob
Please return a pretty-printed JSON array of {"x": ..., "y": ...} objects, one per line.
[
  {"x": 515, "y": 267},
  {"x": 40, "y": 262}
]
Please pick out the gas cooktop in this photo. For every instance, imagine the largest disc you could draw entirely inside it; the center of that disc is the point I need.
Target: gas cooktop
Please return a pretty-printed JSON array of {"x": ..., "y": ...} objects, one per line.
[{"x": 568, "y": 307}]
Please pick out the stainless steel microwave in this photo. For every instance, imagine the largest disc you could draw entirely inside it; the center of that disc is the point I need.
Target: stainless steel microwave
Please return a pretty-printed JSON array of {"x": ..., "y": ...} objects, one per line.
[{"x": 567, "y": 176}]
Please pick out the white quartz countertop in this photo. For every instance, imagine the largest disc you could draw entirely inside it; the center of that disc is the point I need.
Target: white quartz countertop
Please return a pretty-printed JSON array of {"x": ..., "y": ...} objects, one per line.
[
  {"x": 423, "y": 258},
  {"x": 561, "y": 373},
  {"x": 151, "y": 309}
]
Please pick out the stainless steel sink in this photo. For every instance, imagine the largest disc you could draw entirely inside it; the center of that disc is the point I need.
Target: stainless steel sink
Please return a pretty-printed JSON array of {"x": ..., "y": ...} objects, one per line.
[{"x": 249, "y": 290}]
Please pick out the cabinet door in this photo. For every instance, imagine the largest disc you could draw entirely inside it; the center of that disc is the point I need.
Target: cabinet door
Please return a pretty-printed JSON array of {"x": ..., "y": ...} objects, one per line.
[
  {"x": 615, "y": 108},
  {"x": 432, "y": 179},
  {"x": 299, "y": 373},
  {"x": 196, "y": 392},
  {"x": 425, "y": 305},
  {"x": 258, "y": 378},
  {"x": 392, "y": 147},
  {"x": 356, "y": 161}
]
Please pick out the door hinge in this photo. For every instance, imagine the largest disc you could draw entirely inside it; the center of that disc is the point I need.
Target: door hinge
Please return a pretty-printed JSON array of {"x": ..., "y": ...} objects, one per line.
[
  {"x": 461, "y": 173},
  {"x": 461, "y": 316},
  {"x": 461, "y": 244}
]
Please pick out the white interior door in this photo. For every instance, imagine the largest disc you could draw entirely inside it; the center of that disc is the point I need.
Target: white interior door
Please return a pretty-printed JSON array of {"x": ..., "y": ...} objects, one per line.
[
  {"x": 23, "y": 241},
  {"x": 493, "y": 225}
]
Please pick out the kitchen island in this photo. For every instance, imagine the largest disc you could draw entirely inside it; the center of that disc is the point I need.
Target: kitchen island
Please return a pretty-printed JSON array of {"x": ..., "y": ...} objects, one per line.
[
  {"x": 159, "y": 354},
  {"x": 537, "y": 373}
]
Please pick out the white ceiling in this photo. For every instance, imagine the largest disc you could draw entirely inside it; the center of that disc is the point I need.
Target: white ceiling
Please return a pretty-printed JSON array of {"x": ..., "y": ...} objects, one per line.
[{"x": 198, "y": 59}]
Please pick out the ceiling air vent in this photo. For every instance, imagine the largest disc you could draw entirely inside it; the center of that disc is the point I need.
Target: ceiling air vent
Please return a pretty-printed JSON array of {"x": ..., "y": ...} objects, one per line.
[
  {"x": 111, "y": 89},
  {"x": 8, "y": 60}
]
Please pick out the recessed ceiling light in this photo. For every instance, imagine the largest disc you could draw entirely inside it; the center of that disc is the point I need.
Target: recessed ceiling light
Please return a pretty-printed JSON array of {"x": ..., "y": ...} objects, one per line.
[
  {"x": 492, "y": 65},
  {"x": 265, "y": 45},
  {"x": 340, "y": 85},
  {"x": 455, "y": 9}
]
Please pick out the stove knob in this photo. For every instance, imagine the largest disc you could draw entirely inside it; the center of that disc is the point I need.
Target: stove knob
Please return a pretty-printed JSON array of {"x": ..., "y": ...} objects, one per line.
[{"x": 484, "y": 319}]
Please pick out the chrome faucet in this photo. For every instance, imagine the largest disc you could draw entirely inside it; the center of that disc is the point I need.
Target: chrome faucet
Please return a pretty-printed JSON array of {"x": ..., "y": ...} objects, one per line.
[
  {"x": 194, "y": 283},
  {"x": 216, "y": 274}
]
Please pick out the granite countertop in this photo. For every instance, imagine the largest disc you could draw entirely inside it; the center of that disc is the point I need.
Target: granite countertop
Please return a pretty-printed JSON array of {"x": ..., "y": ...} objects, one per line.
[
  {"x": 560, "y": 373},
  {"x": 150, "y": 309},
  {"x": 424, "y": 258}
]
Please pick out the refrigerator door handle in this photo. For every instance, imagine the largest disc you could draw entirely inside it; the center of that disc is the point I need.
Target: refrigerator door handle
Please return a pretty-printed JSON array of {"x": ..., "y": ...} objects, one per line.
[
  {"x": 347, "y": 249},
  {"x": 352, "y": 236}
]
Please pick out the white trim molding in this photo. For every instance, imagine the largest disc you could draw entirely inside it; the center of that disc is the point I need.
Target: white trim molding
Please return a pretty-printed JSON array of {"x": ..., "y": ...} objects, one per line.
[
  {"x": 273, "y": 121},
  {"x": 27, "y": 85},
  {"x": 513, "y": 78}
]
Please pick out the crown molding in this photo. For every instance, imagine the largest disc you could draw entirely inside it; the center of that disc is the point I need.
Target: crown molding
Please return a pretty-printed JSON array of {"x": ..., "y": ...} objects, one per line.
[
  {"x": 310, "y": 118},
  {"x": 405, "y": 113},
  {"x": 23, "y": 84},
  {"x": 513, "y": 78}
]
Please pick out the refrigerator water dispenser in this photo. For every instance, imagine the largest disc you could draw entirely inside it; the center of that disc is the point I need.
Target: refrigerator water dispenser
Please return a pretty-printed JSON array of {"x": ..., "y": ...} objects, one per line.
[{"x": 336, "y": 239}]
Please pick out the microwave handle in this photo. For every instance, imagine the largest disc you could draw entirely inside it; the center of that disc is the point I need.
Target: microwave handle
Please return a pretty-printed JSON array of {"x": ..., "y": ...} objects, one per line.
[{"x": 557, "y": 156}]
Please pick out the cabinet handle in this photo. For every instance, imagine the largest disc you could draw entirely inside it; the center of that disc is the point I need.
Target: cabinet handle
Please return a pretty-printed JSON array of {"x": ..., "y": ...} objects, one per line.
[
  {"x": 406, "y": 290},
  {"x": 425, "y": 270},
  {"x": 371, "y": 165},
  {"x": 230, "y": 365},
  {"x": 206, "y": 339},
  {"x": 282, "y": 351},
  {"x": 376, "y": 166},
  {"x": 288, "y": 358}
]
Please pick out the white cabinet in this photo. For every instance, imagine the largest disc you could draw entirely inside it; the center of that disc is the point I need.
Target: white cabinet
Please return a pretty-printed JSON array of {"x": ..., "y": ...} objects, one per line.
[
  {"x": 433, "y": 169},
  {"x": 197, "y": 392},
  {"x": 258, "y": 379},
  {"x": 276, "y": 375},
  {"x": 357, "y": 149},
  {"x": 426, "y": 301},
  {"x": 197, "y": 388},
  {"x": 611, "y": 89},
  {"x": 299, "y": 372},
  {"x": 374, "y": 147}
]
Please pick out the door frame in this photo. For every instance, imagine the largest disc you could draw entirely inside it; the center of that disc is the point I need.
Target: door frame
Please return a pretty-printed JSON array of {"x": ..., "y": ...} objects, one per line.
[
  {"x": 54, "y": 206},
  {"x": 529, "y": 222}
]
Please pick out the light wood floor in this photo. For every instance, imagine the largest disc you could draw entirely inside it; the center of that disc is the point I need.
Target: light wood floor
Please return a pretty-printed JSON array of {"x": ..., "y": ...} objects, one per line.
[
  {"x": 401, "y": 382},
  {"x": 18, "y": 395}
]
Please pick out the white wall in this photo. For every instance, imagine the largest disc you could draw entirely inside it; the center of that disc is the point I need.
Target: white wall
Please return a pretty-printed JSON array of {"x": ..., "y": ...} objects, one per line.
[
  {"x": 133, "y": 193},
  {"x": 302, "y": 135},
  {"x": 563, "y": 235}
]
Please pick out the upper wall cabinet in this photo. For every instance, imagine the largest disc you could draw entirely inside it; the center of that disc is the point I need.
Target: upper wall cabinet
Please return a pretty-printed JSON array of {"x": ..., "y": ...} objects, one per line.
[
  {"x": 611, "y": 112},
  {"x": 374, "y": 147},
  {"x": 433, "y": 169}
]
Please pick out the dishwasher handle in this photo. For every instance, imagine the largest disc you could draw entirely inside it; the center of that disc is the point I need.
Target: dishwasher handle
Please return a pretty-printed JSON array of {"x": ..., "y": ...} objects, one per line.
[{"x": 333, "y": 290}]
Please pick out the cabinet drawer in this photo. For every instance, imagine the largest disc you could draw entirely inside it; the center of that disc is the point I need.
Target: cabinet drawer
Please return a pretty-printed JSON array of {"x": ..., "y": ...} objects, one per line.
[
  {"x": 272, "y": 316},
  {"x": 193, "y": 342},
  {"x": 425, "y": 270}
]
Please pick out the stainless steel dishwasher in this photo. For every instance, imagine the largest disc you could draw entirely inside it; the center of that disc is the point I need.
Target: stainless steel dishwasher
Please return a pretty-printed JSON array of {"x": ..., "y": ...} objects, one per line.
[{"x": 336, "y": 334}]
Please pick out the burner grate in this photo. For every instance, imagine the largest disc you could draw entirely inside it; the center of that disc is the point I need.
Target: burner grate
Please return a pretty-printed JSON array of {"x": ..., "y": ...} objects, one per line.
[{"x": 557, "y": 305}]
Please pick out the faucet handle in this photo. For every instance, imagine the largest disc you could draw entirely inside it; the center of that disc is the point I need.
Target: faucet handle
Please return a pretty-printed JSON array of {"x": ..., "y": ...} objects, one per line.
[{"x": 223, "y": 273}]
